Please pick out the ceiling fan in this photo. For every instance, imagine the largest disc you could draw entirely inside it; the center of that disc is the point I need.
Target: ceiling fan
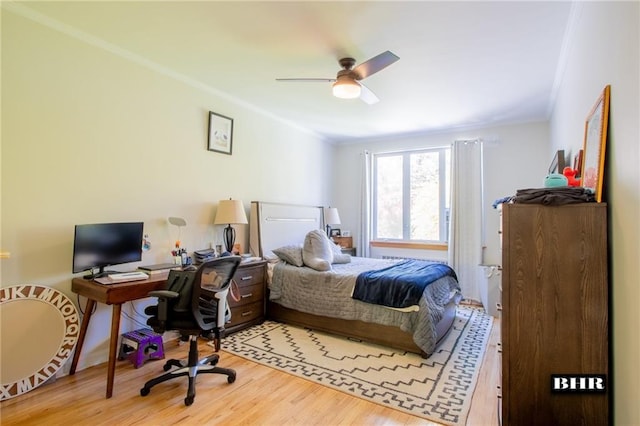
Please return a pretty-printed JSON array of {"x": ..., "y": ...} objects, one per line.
[{"x": 347, "y": 84}]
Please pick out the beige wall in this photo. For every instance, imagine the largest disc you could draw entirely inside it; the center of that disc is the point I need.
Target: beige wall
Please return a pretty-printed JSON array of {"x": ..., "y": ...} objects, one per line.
[
  {"x": 88, "y": 136},
  {"x": 604, "y": 49}
]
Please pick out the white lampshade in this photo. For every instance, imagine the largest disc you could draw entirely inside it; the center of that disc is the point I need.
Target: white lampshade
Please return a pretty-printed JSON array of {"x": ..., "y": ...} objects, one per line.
[
  {"x": 331, "y": 216},
  {"x": 230, "y": 211},
  {"x": 346, "y": 88}
]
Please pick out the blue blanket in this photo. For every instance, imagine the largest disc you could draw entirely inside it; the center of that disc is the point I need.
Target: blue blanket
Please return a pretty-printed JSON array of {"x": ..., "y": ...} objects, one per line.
[{"x": 400, "y": 285}]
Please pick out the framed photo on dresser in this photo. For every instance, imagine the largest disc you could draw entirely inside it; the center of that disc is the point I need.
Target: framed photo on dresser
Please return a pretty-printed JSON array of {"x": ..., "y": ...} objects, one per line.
[{"x": 595, "y": 142}]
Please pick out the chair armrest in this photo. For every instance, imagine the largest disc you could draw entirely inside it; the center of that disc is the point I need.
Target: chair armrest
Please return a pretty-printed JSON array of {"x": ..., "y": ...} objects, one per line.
[
  {"x": 166, "y": 294},
  {"x": 163, "y": 304}
]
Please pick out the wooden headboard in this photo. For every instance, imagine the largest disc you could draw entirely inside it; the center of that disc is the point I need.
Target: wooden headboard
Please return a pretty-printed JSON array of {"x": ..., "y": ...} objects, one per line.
[{"x": 273, "y": 225}]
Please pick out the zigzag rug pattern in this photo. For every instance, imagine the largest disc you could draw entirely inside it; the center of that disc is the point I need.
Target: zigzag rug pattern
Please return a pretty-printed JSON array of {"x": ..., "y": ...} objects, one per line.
[{"x": 438, "y": 388}]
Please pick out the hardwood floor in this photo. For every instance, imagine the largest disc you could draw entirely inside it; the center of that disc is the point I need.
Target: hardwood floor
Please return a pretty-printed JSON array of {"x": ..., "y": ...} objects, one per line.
[{"x": 260, "y": 396}]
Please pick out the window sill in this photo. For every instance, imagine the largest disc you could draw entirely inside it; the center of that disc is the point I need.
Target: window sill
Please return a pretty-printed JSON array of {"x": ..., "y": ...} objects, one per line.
[{"x": 412, "y": 246}]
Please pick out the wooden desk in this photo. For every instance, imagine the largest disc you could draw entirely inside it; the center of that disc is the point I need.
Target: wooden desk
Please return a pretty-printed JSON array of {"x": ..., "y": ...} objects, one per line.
[{"x": 116, "y": 295}]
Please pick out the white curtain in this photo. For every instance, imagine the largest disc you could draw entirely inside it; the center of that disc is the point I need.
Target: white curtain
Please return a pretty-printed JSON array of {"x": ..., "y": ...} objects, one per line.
[
  {"x": 466, "y": 223},
  {"x": 364, "y": 235}
]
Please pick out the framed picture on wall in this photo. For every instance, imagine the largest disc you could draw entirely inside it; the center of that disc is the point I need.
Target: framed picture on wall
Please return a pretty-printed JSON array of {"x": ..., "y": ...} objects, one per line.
[
  {"x": 220, "y": 133},
  {"x": 595, "y": 142}
]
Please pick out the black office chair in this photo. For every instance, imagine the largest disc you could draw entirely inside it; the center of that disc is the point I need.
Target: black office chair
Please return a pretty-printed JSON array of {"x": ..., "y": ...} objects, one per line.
[{"x": 194, "y": 304}]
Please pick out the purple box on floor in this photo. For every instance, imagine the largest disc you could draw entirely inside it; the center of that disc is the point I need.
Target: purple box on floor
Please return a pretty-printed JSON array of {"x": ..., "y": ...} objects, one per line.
[{"x": 140, "y": 346}]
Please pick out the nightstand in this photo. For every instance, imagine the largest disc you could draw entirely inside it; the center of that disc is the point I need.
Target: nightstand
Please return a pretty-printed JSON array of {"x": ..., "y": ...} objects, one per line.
[
  {"x": 349, "y": 250},
  {"x": 346, "y": 245},
  {"x": 251, "y": 278}
]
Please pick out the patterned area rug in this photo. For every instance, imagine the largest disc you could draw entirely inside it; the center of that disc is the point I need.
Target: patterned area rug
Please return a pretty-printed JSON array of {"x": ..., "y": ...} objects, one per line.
[{"x": 438, "y": 388}]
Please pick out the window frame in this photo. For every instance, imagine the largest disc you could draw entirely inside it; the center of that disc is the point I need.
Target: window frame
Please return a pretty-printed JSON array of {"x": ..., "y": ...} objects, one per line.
[{"x": 444, "y": 152}]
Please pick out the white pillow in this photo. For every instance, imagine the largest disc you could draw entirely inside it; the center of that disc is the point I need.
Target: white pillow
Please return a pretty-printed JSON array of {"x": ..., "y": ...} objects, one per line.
[
  {"x": 338, "y": 255},
  {"x": 316, "y": 251}
]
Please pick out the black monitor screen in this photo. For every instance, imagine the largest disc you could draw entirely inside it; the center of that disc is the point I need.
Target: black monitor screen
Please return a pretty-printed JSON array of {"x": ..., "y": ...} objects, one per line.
[{"x": 104, "y": 244}]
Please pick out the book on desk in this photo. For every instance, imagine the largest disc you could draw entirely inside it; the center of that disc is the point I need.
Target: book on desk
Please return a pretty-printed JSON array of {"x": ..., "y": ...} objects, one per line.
[{"x": 160, "y": 268}]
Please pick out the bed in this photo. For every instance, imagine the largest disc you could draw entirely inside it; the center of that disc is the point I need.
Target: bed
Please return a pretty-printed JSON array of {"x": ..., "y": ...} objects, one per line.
[{"x": 324, "y": 300}]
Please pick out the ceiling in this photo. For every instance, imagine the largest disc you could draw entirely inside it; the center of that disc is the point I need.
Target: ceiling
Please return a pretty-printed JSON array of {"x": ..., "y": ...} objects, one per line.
[{"x": 462, "y": 64}]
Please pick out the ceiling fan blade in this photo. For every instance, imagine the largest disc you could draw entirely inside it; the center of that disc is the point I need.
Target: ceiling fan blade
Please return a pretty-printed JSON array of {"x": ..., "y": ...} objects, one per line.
[
  {"x": 367, "y": 96},
  {"x": 375, "y": 64},
  {"x": 307, "y": 80}
]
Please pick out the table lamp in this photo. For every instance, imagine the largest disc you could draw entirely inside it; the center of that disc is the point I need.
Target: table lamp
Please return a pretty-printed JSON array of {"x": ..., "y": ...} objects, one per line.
[
  {"x": 230, "y": 212},
  {"x": 331, "y": 217}
]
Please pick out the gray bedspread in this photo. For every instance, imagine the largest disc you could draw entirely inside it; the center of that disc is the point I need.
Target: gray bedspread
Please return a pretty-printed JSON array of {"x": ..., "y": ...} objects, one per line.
[{"x": 329, "y": 294}]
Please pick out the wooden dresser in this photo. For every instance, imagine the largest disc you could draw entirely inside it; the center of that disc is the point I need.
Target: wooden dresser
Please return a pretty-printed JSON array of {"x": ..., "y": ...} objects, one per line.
[
  {"x": 250, "y": 310},
  {"x": 555, "y": 299}
]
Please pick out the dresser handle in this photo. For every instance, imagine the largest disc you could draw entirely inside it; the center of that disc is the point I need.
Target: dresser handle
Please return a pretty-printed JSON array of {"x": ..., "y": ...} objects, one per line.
[
  {"x": 247, "y": 313},
  {"x": 248, "y": 277},
  {"x": 244, "y": 296}
]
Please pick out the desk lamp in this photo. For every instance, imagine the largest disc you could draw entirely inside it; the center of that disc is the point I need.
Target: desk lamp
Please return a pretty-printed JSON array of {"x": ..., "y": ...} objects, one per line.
[
  {"x": 179, "y": 222},
  {"x": 331, "y": 217},
  {"x": 230, "y": 212}
]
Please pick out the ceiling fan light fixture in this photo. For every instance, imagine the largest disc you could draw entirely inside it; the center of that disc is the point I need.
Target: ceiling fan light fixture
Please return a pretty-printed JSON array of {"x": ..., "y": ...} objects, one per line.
[{"x": 346, "y": 88}]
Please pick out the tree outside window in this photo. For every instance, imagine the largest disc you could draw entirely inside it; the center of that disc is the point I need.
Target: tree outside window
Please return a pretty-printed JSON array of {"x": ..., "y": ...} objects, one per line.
[{"x": 411, "y": 192}]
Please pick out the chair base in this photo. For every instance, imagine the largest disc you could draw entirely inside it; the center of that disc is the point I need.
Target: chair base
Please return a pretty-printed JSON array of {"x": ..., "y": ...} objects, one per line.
[{"x": 190, "y": 368}]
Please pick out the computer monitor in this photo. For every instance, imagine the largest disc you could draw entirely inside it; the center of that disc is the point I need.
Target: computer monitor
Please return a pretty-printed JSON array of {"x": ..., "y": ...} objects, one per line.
[{"x": 100, "y": 245}]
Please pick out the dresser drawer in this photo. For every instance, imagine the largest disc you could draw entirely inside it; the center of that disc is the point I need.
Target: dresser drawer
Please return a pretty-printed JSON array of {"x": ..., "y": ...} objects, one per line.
[
  {"x": 248, "y": 294},
  {"x": 247, "y": 276},
  {"x": 246, "y": 313},
  {"x": 250, "y": 309}
]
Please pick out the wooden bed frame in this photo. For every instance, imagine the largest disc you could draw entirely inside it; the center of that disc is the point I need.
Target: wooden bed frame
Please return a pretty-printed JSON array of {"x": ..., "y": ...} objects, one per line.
[
  {"x": 384, "y": 335},
  {"x": 270, "y": 219}
]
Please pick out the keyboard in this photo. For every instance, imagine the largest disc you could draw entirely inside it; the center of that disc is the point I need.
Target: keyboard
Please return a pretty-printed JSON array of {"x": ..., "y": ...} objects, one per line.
[{"x": 128, "y": 276}]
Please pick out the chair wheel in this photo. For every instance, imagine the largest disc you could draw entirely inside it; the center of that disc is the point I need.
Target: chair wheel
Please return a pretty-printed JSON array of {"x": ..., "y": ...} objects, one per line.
[
  {"x": 231, "y": 378},
  {"x": 144, "y": 391},
  {"x": 188, "y": 401}
]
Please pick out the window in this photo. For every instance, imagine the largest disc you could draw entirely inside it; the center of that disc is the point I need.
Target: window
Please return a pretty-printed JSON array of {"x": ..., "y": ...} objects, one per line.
[{"x": 411, "y": 196}]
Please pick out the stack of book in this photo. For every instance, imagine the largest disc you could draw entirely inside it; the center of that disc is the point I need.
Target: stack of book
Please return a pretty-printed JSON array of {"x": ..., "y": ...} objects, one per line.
[
  {"x": 201, "y": 256},
  {"x": 161, "y": 268}
]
